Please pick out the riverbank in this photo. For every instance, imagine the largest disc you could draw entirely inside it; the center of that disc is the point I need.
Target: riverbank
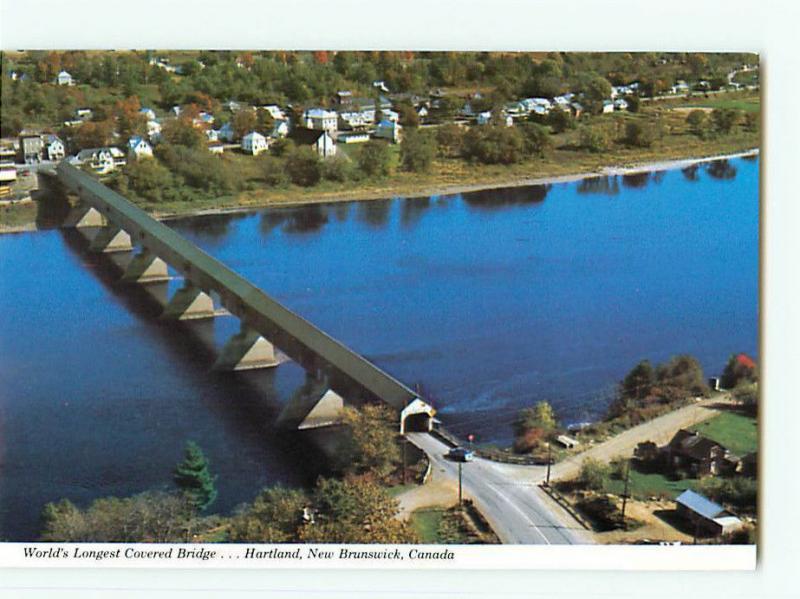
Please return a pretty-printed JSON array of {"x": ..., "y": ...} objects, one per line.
[{"x": 15, "y": 220}]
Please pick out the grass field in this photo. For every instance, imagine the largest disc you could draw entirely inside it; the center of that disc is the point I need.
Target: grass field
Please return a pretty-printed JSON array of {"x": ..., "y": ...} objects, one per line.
[
  {"x": 643, "y": 485},
  {"x": 733, "y": 431},
  {"x": 426, "y": 522},
  {"x": 746, "y": 104}
]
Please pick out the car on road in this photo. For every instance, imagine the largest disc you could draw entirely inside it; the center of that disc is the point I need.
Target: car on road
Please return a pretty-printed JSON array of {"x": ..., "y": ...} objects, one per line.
[{"x": 461, "y": 454}]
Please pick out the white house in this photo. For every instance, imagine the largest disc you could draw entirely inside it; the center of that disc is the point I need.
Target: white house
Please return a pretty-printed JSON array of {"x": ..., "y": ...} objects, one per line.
[
  {"x": 101, "y": 160},
  {"x": 84, "y": 114},
  {"x": 216, "y": 147},
  {"x": 357, "y": 120},
  {"x": 148, "y": 113},
  {"x": 64, "y": 78},
  {"x": 321, "y": 119},
  {"x": 608, "y": 106},
  {"x": 381, "y": 85},
  {"x": 320, "y": 141},
  {"x": 389, "y": 115},
  {"x": 53, "y": 147},
  {"x": 280, "y": 129},
  {"x": 620, "y": 104},
  {"x": 389, "y": 130},
  {"x": 254, "y": 143},
  {"x": 485, "y": 117},
  {"x": 153, "y": 131},
  {"x": 139, "y": 148},
  {"x": 212, "y": 134},
  {"x": 274, "y": 111},
  {"x": 176, "y": 110},
  {"x": 422, "y": 111}
]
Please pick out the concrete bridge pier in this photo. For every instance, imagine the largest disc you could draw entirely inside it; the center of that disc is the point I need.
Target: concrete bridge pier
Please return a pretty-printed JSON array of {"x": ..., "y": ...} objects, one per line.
[
  {"x": 246, "y": 350},
  {"x": 314, "y": 405},
  {"x": 146, "y": 267},
  {"x": 189, "y": 302},
  {"x": 83, "y": 215},
  {"x": 111, "y": 239}
]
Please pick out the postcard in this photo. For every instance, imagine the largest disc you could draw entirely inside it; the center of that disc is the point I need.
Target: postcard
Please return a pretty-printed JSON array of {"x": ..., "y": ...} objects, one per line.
[{"x": 379, "y": 309}]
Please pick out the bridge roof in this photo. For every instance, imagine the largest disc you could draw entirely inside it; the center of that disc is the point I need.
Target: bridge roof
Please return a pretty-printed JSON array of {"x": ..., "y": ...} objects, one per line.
[{"x": 208, "y": 273}]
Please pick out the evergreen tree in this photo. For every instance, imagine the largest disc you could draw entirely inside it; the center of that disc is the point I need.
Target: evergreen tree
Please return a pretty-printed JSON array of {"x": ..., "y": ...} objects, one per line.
[{"x": 194, "y": 479}]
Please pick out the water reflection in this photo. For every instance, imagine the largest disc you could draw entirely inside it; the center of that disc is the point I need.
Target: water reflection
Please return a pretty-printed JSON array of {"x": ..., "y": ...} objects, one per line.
[
  {"x": 306, "y": 219},
  {"x": 608, "y": 186},
  {"x": 374, "y": 213},
  {"x": 658, "y": 176},
  {"x": 721, "y": 169},
  {"x": 412, "y": 209},
  {"x": 691, "y": 172},
  {"x": 636, "y": 180},
  {"x": 212, "y": 227},
  {"x": 490, "y": 199}
]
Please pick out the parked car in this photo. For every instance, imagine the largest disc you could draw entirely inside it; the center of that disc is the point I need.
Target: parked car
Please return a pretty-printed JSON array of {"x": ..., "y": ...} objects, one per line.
[{"x": 461, "y": 454}]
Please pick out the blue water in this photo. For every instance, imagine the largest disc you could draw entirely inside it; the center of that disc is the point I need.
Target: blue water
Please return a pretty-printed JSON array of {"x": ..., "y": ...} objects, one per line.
[{"x": 490, "y": 301}]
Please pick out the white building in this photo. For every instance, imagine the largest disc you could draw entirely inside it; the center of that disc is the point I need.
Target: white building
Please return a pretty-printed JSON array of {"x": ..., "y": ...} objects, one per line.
[
  {"x": 226, "y": 133},
  {"x": 357, "y": 120},
  {"x": 154, "y": 131},
  {"x": 64, "y": 78},
  {"x": 139, "y": 148},
  {"x": 484, "y": 117},
  {"x": 254, "y": 143},
  {"x": 608, "y": 106},
  {"x": 280, "y": 129},
  {"x": 101, "y": 160},
  {"x": 320, "y": 119},
  {"x": 320, "y": 141},
  {"x": 216, "y": 148},
  {"x": 54, "y": 147},
  {"x": 620, "y": 104},
  {"x": 274, "y": 111}
]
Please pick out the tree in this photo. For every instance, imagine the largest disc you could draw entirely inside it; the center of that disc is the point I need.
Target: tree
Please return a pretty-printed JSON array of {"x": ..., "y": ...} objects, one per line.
[
  {"x": 595, "y": 139},
  {"x": 94, "y": 134},
  {"x": 449, "y": 139},
  {"x": 560, "y": 120},
  {"x": 739, "y": 369},
  {"x": 633, "y": 103},
  {"x": 594, "y": 475},
  {"x": 182, "y": 132},
  {"x": 243, "y": 122},
  {"x": 494, "y": 145},
  {"x": 275, "y": 516},
  {"x": 152, "y": 517},
  {"x": 724, "y": 119},
  {"x": 640, "y": 135},
  {"x": 303, "y": 166},
  {"x": 747, "y": 395},
  {"x": 370, "y": 446},
  {"x": 408, "y": 115},
  {"x": 355, "y": 511},
  {"x": 751, "y": 121},
  {"x": 337, "y": 168},
  {"x": 273, "y": 170},
  {"x": 533, "y": 425},
  {"x": 638, "y": 383},
  {"x": 698, "y": 123},
  {"x": 193, "y": 478},
  {"x": 418, "y": 151},
  {"x": 149, "y": 180},
  {"x": 374, "y": 159},
  {"x": 595, "y": 91},
  {"x": 537, "y": 139},
  {"x": 680, "y": 377},
  {"x": 129, "y": 120}
]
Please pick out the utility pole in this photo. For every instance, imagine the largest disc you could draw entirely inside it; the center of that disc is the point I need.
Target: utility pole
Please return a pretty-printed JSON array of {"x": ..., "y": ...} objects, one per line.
[
  {"x": 404, "y": 458},
  {"x": 625, "y": 493},
  {"x": 549, "y": 459},
  {"x": 460, "y": 502}
]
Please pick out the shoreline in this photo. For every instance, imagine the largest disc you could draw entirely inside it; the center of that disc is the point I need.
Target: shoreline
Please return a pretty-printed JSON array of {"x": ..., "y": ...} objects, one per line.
[
  {"x": 606, "y": 171},
  {"x": 354, "y": 196}
]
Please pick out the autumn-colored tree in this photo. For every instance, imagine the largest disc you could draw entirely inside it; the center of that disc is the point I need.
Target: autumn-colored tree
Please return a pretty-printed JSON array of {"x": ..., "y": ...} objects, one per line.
[
  {"x": 243, "y": 122},
  {"x": 275, "y": 516},
  {"x": 355, "y": 511},
  {"x": 94, "y": 134},
  {"x": 370, "y": 445},
  {"x": 321, "y": 57},
  {"x": 182, "y": 132},
  {"x": 246, "y": 59},
  {"x": 129, "y": 120}
]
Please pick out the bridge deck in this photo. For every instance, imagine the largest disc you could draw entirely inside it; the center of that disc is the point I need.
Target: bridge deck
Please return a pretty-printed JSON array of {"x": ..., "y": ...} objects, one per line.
[{"x": 239, "y": 296}]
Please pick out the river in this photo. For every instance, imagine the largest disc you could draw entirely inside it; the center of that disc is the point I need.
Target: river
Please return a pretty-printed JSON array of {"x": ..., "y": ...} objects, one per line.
[{"x": 490, "y": 301}]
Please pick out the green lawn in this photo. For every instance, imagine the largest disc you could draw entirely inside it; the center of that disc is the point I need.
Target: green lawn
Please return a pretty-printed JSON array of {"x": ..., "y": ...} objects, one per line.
[
  {"x": 734, "y": 431},
  {"x": 643, "y": 485},
  {"x": 746, "y": 104},
  {"x": 426, "y": 522},
  {"x": 400, "y": 489}
]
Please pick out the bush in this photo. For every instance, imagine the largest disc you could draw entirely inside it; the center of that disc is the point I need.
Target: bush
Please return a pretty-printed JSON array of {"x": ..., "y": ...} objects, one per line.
[
  {"x": 493, "y": 144},
  {"x": 594, "y": 475},
  {"x": 725, "y": 119},
  {"x": 418, "y": 151},
  {"x": 273, "y": 170},
  {"x": 337, "y": 168},
  {"x": 449, "y": 139},
  {"x": 375, "y": 159},
  {"x": 303, "y": 166},
  {"x": 740, "y": 492},
  {"x": 698, "y": 123},
  {"x": 595, "y": 139},
  {"x": 198, "y": 168},
  {"x": 537, "y": 139},
  {"x": 639, "y": 135},
  {"x": 560, "y": 120}
]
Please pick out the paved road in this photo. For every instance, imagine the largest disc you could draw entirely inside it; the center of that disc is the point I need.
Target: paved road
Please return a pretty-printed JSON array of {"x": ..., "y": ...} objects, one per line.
[
  {"x": 509, "y": 496},
  {"x": 516, "y": 508}
]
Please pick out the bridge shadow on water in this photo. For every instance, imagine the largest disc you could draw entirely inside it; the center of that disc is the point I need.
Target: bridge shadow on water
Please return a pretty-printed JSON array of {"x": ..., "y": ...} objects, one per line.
[{"x": 246, "y": 402}]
